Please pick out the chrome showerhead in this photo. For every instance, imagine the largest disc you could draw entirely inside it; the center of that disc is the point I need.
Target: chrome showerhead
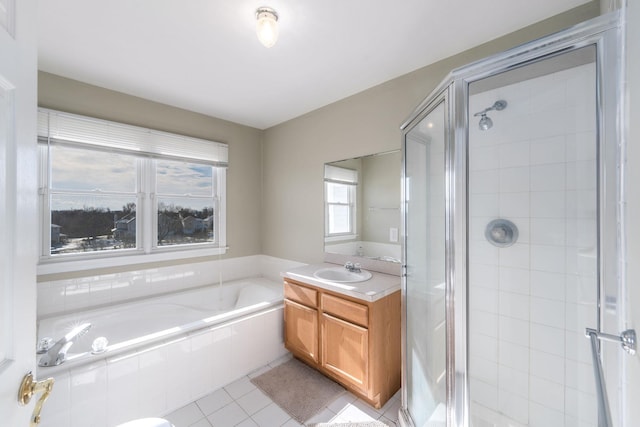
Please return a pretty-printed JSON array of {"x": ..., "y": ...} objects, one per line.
[{"x": 485, "y": 122}]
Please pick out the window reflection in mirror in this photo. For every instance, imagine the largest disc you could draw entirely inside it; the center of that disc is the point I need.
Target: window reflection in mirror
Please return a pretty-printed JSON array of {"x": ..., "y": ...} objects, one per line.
[{"x": 362, "y": 206}]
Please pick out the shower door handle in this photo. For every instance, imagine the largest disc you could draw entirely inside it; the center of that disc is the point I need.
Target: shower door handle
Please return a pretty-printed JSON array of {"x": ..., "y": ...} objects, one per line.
[{"x": 628, "y": 341}]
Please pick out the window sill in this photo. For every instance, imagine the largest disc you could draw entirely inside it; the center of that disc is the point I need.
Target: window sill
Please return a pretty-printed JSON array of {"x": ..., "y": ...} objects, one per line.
[
  {"x": 341, "y": 238},
  {"x": 56, "y": 266}
]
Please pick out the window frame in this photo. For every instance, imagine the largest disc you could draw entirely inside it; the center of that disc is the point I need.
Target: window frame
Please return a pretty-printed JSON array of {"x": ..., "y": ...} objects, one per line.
[
  {"x": 351, "y": 183},
  {"x": 147, "y": 248}
]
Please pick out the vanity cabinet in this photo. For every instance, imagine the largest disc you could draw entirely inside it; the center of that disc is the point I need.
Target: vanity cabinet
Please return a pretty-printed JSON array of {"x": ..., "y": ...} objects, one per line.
[{"x": 352, "y": 341}]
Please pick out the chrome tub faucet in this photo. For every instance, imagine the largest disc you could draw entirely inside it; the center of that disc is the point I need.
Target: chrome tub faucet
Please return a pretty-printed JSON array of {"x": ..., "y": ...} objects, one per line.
[{"x": 57, "y": 353}]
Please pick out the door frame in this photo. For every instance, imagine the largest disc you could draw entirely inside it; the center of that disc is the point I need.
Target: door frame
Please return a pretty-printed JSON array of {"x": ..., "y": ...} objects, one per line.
[{"x": 606, "y": 33}]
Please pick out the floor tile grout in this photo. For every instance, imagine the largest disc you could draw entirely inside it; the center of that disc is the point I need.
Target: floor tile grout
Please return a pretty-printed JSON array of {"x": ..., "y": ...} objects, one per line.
[{"x": 353, "y": 408}]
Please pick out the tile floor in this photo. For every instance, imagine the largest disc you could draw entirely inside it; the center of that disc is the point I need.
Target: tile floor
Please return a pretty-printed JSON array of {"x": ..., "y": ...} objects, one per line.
[{"x": 242, "y": 404}]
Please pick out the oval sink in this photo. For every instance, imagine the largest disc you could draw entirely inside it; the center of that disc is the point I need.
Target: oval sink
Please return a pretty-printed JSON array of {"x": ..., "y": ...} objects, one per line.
[{"x": 342, "y": 275}]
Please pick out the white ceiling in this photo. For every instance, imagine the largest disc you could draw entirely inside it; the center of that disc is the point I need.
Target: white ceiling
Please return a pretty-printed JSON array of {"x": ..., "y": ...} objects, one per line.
[{"x": 203, "y": 55}]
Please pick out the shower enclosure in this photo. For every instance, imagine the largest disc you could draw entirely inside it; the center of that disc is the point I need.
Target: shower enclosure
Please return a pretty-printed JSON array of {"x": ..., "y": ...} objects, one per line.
[{"x": 513, "y": 239}]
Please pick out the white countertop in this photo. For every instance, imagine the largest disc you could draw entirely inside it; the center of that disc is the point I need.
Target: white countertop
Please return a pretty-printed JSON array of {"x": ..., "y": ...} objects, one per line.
[{"x": 378, "y": 286}]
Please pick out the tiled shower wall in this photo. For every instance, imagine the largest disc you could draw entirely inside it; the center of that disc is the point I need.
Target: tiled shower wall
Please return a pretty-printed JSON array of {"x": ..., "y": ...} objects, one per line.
[{"x": 529, "y": 303}]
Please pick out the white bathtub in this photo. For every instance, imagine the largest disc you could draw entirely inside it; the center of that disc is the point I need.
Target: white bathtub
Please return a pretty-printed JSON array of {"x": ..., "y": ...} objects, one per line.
[{"x": 163, "y": 352}]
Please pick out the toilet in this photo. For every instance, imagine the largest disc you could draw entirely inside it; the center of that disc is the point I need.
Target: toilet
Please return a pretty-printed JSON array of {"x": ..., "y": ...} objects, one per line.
[{"x": 147, "y": 422}]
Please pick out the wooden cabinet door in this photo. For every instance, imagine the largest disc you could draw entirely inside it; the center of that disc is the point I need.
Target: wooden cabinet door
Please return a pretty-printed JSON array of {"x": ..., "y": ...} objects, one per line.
[
  {"x": 345, "y": 350},
  {"x": 301, "y": 330}
]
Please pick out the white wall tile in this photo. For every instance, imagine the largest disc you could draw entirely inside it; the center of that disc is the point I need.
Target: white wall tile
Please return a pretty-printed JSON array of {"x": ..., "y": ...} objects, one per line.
[
  {"x": 483, "y": 370},
  {"x": 548, "y": 177},
  {"x": 543, "y": 416},
  {"x": 89, "y": 396},
  {"x": 178, "y": 359},
  {"x": 548, "y": 258},
  {"x": 580, "y": 316},
  {"x": 483, "y": 299},
  {"x": 547, "y": 367},
  {"x": 514, "y": 331},
  {"x": 548, "y": 312},
  {"x": 548, "y": 339},
  {"x": 548, "y": 204},
  {"x": 579, "y": 376},
  {"x": 481, "y": 251},
  {"x": 581, "y": 289},
  {"x": 547, "y": 393},
  {"x": 581, "y": 146},
  {"x": 513, "y": 381},
  {"x": 514, "y": 305},
  {"x": 222, "y": 359},
  {"x": 514, "y": 356},
  {"x": 577, "y": 347},
  {"x": 548, "y": 285},
  {"x": 548, "y": 94},
  {"x": 513, "y": 406},
  {"x": 122, "y": 390},
  {"x": 553, "y": 124},
  {"x": 484, "y": 158},
  {"x": 152, "y": 389},
  {"x": 515, "y": 256},
  {"x": 515, "y": 280},
  {"x": 484, "y": 181},
  {"x": 582, "y": 406},
  {"x": 484, "y": 393},
  {"x": 580, "y": 204},
  {"x": 582, "y": 175},
  {"x": 514, "y": 180},
  {"x": 548, "y": 150},
  {"x": 201, "y": 367},
  {"x": 514, "y": 205},
  {"x": 484, "y": 323},
  {"x": 484, "y": 204},
  {"x": 484, "y": 275},
  {"x": 548, "y": 231},
  {"x": 57, "y": 412},
  {"x": 514, "y": 155},
  {"x": 483, "y": 346},
  {"x": 581, "y": 232}
]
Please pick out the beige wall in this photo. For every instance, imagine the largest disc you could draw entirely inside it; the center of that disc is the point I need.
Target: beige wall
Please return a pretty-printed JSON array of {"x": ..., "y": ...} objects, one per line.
[
  {"x": 368, "y": 122},
  {"x": 381, "y": 187},
  {"x": 244, "y": 175},
  {"x": 275, "y": 190}
]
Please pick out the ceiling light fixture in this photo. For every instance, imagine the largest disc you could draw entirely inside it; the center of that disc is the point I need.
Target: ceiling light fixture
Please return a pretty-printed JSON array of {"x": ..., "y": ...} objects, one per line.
[{"x": 267, "y": 26}]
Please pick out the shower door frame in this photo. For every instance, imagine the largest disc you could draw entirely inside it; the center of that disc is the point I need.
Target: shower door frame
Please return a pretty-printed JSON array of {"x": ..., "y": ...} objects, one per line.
[{"x": 606, "y": 34}]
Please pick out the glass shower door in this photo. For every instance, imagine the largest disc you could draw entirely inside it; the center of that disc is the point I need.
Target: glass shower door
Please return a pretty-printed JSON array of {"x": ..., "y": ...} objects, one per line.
[
  {"x": 424, "y": 280},
  {"x": 533, "y": 243}
]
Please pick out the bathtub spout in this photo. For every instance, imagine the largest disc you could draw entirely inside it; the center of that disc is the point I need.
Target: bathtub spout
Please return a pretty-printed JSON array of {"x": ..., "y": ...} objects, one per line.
[{"x": 58, "y": 352}]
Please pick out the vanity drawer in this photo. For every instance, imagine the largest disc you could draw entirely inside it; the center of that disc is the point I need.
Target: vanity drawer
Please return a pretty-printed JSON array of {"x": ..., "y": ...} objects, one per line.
[
  {"x": 305, "y": 296},
  {"x": 346, "y": 310}
]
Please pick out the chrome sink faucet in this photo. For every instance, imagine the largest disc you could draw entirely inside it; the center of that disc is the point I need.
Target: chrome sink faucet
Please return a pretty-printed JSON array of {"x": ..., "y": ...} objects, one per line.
[
  {"x": 354, "y": 268},
  {"x": 57, "y": 353}
]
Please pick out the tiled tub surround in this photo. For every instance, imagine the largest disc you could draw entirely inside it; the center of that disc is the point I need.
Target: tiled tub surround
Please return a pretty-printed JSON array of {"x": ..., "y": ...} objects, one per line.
[
  {"x": 71, "y": 295},
  {"x": 160, "y": 377},
  {"x": 529, "y": 303}
]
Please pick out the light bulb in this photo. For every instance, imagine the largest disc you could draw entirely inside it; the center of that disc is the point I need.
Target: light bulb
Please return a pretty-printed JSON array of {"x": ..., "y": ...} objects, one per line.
[{"x": 267, "y": 26}]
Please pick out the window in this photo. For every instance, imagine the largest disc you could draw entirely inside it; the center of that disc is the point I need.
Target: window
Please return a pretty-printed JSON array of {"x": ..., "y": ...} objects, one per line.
[
  {"x": 340, "y": 186},
  {"x": 109, "y": 189}
]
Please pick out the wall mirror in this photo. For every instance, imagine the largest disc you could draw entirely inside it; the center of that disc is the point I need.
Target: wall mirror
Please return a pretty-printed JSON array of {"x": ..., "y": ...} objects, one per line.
[{"x": 362, "y": 207}]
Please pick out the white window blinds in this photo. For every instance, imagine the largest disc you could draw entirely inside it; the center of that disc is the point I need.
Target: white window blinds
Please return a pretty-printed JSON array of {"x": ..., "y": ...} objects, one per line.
[
  {"x": 59, "y": 127},
  {"x": 340, "y": 175}
]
